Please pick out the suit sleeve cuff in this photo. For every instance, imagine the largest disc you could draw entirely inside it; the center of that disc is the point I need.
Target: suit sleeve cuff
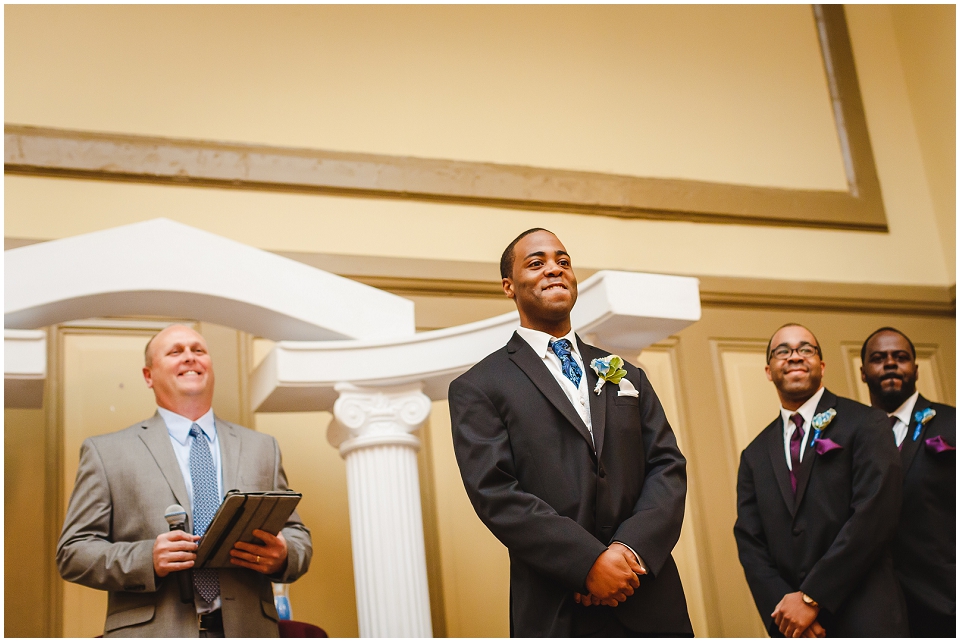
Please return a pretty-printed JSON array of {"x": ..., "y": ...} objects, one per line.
[{"x": 639, "y": 559}]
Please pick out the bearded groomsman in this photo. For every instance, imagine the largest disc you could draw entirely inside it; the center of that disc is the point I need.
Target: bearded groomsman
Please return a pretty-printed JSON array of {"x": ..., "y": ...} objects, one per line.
[
  {"x": 818, "y": 496},
  {"x": 924, "y": 549}
]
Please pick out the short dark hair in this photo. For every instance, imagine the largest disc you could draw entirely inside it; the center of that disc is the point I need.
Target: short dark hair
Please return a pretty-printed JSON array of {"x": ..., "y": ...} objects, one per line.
[
  {"x": 506, "y": 259},
  {"x": 798, "y": 325},
  {"x": 886, "y": 328}
]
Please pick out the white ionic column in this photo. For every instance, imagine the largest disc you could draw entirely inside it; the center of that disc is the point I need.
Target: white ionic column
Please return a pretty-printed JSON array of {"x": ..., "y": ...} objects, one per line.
[{"x": 372, "y": 428}]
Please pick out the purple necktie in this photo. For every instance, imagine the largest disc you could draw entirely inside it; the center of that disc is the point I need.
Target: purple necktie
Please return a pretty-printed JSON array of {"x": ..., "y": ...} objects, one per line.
[{"x": 795, "y": 440}]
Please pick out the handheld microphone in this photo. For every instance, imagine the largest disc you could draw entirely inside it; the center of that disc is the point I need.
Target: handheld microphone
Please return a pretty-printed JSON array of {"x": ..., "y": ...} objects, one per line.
[{"x": 176, "y": 517}]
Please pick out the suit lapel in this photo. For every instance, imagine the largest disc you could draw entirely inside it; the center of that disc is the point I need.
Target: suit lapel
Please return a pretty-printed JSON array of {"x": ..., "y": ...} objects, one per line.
[
  {"x": 828, "y": 400},
  {"x": 778, "y": 460},
  {"x": 229, "y": 453},
  {"x": 910, "y": 447},
  {"x": 532, "y": 365},
  {"x": 598, "y": 403},
  {"x": 157, "y": 440}
]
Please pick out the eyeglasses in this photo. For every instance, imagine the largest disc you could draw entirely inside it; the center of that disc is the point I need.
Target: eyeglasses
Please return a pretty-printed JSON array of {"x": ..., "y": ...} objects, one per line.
[{"x": 805, "y": 350}]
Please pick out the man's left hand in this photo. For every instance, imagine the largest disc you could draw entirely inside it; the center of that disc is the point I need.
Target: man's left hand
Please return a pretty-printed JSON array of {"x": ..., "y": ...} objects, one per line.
[
  {"x": 588, "y": 599},
  {"x": 267, "y": 559},
  {"x": 793, "y": 616}
]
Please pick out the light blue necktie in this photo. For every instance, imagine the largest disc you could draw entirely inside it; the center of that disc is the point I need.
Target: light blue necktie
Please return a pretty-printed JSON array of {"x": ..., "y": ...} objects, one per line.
[
  {"x": 206, "y": 500},
  {"x": 561, "y": 348}
]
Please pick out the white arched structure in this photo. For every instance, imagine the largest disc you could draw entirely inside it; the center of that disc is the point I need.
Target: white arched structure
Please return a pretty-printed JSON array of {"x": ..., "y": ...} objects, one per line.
[
  {"x": 342, "y": 346},
  {"x": 161, "y": 267}
]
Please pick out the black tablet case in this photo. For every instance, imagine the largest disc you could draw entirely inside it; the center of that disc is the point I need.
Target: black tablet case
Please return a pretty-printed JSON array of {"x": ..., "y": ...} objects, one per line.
[{"x": 236, "y": 519}]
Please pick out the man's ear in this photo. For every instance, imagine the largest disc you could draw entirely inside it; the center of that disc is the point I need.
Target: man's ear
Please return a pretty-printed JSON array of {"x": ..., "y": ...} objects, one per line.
[
  {"x": 863, "y": 375},
  {"x": 508, "y": 288},
  {"x": 147, "y": 377},
  {"x": 767, "y": 370}
]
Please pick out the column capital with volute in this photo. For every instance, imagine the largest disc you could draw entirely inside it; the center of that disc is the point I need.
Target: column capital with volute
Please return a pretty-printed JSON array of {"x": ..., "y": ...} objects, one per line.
[{"x": 385, "y": 415}]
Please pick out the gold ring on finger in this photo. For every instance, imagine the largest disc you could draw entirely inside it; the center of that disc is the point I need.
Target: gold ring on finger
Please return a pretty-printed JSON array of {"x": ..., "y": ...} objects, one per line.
[{"x": 258, "y": 559}]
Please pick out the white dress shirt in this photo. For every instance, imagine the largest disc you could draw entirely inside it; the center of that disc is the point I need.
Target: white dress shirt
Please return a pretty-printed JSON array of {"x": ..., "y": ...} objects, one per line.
[
  {"x": 807, "y": 411},
  {"x": 579, "y": 396},
  {"x": 178, "y": 427},
  {"x": 903, "y": 415}
]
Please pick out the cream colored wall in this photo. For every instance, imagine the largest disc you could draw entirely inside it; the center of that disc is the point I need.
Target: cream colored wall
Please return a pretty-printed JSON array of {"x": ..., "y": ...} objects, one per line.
[
  {"x": 27, "y": 551},
  {"x": 927, "y": 39},
  {"x": 660, "y": 364},
  {"x": 177, "y": 81},
  {"x": 620, "y": 89},
  {"x": 38, "y": 92},
  {"x": 105, "y": 392},
  {"x": 325, "y": 596},
  {"x": 475, "y": 566}
]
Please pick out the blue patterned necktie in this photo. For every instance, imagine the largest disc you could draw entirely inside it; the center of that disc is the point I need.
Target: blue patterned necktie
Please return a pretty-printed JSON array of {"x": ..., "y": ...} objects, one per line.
[
  {"x": 561, "y": 348},
  {"x": 206, "y": 500}
]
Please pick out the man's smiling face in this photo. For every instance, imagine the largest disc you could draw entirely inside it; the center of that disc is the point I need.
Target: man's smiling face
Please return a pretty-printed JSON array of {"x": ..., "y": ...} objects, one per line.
[
  {"x": 179, "y": 368},
  {"x": 797, "y": 378},
  {"x": 542, "y": 283}
]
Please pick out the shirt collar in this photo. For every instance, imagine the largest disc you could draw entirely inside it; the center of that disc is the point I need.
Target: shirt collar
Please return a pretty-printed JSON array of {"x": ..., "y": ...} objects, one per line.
[
  {"x": 807, "y": 410},
  {"x": 179, "y": 426},
  {"x": 906, "y": 409},
  {"x": 540, "y": 341}
]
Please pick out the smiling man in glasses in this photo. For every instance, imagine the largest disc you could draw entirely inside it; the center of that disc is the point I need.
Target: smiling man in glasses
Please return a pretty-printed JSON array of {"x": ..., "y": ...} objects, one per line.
[{"x": 818, "y": 496}]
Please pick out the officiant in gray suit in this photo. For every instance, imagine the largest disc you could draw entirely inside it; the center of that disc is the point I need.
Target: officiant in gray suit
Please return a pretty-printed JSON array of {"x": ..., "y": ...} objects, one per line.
[{"x": 115, "y": 537}]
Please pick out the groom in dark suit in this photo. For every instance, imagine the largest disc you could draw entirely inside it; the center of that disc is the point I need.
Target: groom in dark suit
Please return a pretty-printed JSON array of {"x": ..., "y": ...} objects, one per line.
[
  {"x": 818, "y": 496},
  {"x": 925, "y": 547},
  {"x": 584, "y": 487}
]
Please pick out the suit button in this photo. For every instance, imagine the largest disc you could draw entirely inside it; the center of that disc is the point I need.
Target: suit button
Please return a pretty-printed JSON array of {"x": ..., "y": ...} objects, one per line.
[
  {"x": 797, "y": 532},
  {"x": 803, "y": 574},
  {"x": 603, "y": 473}
]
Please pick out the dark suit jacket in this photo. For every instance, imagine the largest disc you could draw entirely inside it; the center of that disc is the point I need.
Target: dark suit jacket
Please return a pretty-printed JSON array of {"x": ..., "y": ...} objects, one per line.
[
  {"x": 125, "y": 482},
  {"x": 925, "y": 547},
  {"x": 833, "y": 540},
  {"x": 530, "y": 470}
]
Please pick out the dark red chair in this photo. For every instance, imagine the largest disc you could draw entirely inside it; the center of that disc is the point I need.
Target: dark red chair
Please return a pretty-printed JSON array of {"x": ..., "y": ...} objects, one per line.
[{"x": 294, "y": 629}]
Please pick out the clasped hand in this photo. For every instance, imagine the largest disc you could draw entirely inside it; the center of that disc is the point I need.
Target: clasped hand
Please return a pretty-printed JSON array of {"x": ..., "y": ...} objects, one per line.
[
  {"x": 612, "y": 578},
  {"x": 177, "y": 551},
  {"x": 797, "y": 619}
]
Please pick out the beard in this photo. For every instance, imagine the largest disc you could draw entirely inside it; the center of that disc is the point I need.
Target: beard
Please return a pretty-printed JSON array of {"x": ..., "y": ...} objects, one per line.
[{"x": 892, "y": 398}]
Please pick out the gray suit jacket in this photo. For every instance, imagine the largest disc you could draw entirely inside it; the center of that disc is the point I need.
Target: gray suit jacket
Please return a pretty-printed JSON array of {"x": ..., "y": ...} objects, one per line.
[{"x": 125, "y": 482}]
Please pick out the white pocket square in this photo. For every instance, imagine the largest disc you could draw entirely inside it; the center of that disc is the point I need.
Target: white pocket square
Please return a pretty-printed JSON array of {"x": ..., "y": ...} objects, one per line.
[{"x": 627, "y": 389}]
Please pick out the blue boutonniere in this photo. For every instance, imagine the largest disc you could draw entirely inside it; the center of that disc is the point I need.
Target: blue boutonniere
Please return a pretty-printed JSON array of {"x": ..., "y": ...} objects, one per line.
[
  {"x": 922, "y": 417},
  {"x": 820, "y": 423},
  {"x": 608, "y": 369}
]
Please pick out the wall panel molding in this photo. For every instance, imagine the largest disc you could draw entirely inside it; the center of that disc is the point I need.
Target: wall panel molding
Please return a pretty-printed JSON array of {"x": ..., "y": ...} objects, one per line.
[
  {"x": 40, "y": 151},
  {"x": 660, "y": 362}
]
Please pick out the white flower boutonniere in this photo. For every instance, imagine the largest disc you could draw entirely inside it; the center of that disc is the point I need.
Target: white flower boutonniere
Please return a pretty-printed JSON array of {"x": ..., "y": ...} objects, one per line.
[
  {"x": 823, "y": 420},
  {"x": 608, "y": 369},
  {"x": 820, "y": 422}
]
